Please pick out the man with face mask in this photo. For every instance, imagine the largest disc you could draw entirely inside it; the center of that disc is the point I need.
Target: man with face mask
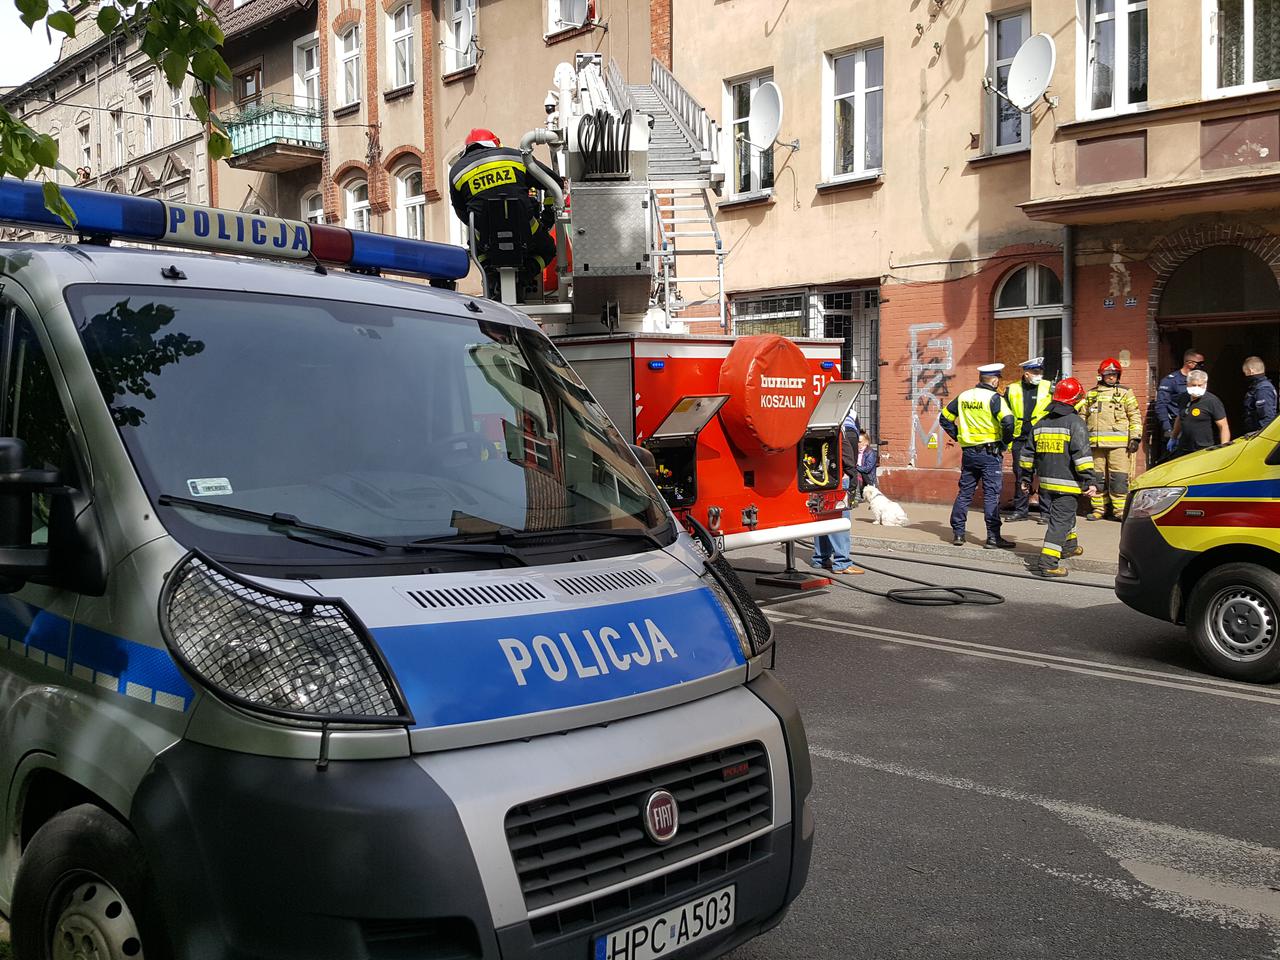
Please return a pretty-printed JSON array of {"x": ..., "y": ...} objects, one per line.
[
  {"x": 1203, "y": 421},
  {"x": 1115, "y": 432},
  {"x": 1170, "y": 399},
  {"x": 1029, "y": 398}
]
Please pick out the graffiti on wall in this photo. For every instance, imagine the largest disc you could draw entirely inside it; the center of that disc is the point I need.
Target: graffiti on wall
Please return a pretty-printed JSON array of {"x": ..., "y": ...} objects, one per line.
[{"x": 929, "y": 386}]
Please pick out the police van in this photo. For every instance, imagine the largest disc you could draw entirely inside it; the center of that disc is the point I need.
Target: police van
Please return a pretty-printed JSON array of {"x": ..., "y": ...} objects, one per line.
[
  {"x": 339, "y": 622},
  {"x": 1200, "y": 545}
]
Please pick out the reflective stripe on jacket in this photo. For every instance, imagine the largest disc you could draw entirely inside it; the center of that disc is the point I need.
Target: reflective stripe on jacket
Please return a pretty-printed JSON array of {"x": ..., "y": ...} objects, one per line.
[
  {"x": 1112, "y": 416},
  {"x": 978, "y": 416},
  {"x": 1059, "y": 451},
  {"x": 1044, "y": 396}
]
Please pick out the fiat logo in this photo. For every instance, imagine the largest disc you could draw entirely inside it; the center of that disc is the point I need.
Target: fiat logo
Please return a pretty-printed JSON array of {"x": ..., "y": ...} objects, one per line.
[{"x": 661, "y": 816}]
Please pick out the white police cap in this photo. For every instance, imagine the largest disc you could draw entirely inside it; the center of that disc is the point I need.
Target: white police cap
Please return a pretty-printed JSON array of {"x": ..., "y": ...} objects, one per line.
[
  {"x": 991, "y": 368},
  {"x": 1035, "y": 363}
]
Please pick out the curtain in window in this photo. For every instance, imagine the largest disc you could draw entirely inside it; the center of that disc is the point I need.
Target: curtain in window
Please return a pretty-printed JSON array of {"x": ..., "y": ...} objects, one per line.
[{"x": 1266, "y": 40}]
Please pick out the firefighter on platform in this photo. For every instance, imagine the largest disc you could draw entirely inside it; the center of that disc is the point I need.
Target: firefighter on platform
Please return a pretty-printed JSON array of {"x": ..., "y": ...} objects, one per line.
[
  {"x": 488, "y": 170},
  {"x": 1029, "y": 398},
  {"x": 1059, "y": 453},
  {"x": 1115, "y": 432},
  {"x": 982, "y": 423}
]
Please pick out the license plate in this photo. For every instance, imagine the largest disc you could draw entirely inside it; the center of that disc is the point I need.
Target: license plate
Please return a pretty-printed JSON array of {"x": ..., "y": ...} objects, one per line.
[{"x": 664, "y": 934}]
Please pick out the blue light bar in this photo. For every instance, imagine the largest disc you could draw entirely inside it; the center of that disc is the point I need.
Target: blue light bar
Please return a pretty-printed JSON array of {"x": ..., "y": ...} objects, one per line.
[
  {"x": 188, "y": 225},
  {"x": 828, "y": 364},
  {"x": 137, "y": 218},
  {"x": 443, "y": 260},
  {"x": 657, "y": 364}
]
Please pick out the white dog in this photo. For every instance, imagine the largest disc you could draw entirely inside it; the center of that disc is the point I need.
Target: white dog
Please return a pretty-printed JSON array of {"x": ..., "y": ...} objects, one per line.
[{"x": 884, "y": 511}]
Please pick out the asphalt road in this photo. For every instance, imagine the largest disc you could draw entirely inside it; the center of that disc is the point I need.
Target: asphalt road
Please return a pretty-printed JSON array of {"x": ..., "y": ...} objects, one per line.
[{"x": 1052, "y": 777}]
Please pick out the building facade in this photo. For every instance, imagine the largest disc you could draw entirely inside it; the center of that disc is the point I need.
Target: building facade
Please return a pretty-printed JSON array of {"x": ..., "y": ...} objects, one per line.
[{"x": 119, "y": 124}]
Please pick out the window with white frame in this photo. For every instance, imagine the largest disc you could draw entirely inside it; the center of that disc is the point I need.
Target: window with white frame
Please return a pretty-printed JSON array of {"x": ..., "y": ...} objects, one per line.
[
  {"x": 1248, "y": 36},
  {"x": 457, "y": 230},
  {"x": 752, "y": 168},
  {"x": 411, "y": 204},
  {"x": 357, "y": 196},
  {"x": 349, "y": 67},
  {"x": 306, "y": 72},
  {"x": 86, "y": 149},
  {"x": 1031, "y": 298},
  {"x": 400, "y": 46},
  {"x": 175, "y": 112},
  {"x": 1007, "y": 127},
  {"x": 460, "y": 51},
  {"x": 1117, "y": 53},
  {"x": 313, "y": 207},
  {"x": 117, "y": 138},
  {"x": 148, "y": 125},
  {"x": 856, "y": 115}
]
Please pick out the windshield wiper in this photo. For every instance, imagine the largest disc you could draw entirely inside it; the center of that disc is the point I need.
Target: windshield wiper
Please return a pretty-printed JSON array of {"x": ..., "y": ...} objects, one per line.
[
  {"x": 287, "y": 522},
  {"x": 282, "y": 521},
  {"x": 624, "y": 533}
]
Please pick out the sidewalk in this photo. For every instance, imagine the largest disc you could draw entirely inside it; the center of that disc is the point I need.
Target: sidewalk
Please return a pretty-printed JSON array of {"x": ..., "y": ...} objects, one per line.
[{"x": 930, "y": 532}]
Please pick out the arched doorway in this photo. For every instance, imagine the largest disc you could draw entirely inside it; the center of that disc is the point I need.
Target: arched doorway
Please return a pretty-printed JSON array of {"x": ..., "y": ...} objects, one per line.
[{"x": 1225, "y": 302}]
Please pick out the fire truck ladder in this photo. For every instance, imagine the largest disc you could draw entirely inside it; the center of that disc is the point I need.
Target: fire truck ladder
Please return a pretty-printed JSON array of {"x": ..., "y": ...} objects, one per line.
[{"x": 688, "y": 253}]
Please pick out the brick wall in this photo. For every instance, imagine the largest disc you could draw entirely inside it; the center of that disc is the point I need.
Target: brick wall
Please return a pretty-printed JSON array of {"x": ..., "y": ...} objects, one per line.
[{"x": 660, "y": 31}]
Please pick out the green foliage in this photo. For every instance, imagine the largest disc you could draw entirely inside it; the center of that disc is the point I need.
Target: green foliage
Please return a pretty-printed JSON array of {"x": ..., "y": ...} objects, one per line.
[{"x": 181, "y": 37}]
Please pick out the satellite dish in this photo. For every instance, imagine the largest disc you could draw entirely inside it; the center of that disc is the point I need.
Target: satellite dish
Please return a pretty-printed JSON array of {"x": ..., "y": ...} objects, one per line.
[
  {"x": 466, "y": 29},
  {"x": 574, "y": 12},
  {"x": 1032, "y": 71},
  {"x": 765, "y": 117}
]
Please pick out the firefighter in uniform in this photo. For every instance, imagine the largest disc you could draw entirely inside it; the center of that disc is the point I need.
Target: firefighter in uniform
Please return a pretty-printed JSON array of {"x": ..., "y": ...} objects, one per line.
[
  {"x": 1029, "y": 398},
  {"x": 982, "y": 423},
  {"x": 487, "y": 170},
  {"x": 1114, "y": 422},
  {"x": 1059, "y": 453}
]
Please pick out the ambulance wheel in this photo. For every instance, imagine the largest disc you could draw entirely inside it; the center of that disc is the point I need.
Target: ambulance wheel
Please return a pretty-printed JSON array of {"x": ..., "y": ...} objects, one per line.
[
  {"x": 82, "y": 892},
  {"x": 1234, "y": 621}
]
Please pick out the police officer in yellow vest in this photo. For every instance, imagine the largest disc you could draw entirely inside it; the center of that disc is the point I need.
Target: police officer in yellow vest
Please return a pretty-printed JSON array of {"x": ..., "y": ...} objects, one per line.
[
  {"x": 1029, "y": 399},
  {"x": 982, "y": 423}
]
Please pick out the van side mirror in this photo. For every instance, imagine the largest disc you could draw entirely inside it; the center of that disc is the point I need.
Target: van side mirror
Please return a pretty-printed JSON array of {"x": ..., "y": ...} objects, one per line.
[
  {"x": 20, "y": 561},
  {"x": 646, "y": 459}
]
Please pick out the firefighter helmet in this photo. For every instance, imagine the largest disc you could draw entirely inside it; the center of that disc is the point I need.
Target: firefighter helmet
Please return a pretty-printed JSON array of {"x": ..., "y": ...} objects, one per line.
[
  {"x": 486, "y": 138},
  {"x": 1068, "y": 391},
  {"x": 1109, "y": 365}
]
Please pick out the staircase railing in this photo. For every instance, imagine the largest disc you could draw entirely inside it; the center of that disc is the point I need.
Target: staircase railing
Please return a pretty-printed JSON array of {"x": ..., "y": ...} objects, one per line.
[{"x": 690, "y": 114}]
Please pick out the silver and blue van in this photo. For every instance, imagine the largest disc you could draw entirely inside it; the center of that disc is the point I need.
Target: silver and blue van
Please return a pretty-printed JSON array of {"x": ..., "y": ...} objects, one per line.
[{"x": 339, "y": 622}]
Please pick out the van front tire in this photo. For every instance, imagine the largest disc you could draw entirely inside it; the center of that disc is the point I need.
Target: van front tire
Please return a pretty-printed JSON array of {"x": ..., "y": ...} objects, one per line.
[
  {"x": 83, "y": 889},
  {"x": 1234, "y": 621}
]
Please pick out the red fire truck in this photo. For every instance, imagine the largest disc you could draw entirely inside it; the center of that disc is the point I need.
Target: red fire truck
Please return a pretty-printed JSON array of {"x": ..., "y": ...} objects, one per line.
[{"x": 745, "y": 430}]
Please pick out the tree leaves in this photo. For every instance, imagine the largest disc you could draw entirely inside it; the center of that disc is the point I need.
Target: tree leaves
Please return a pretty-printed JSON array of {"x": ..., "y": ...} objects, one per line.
[{"x": 181, "y": 37}]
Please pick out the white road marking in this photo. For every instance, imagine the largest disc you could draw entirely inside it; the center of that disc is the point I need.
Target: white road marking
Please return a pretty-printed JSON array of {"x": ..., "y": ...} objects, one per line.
[
  {"x": 1092, "y": 668},
  {"x": 1198, "y": 875}
]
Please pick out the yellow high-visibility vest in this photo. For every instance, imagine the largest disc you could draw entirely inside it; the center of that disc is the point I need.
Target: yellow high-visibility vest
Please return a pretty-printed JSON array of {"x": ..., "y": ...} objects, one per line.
[
  {"x": 1044, "y": 397},
  {"x": 975, "y": 424}
]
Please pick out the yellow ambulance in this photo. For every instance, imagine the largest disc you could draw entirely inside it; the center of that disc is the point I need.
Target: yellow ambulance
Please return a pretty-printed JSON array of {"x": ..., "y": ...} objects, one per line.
[{"x": 1201, "y": 547}]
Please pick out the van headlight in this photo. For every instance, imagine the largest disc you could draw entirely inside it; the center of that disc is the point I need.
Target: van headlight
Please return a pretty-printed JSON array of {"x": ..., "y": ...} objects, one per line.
[
  {"x": 306, "y": 658},
  {"x": 755, "y": 632},
  {"x": 1153, "y": 500}
]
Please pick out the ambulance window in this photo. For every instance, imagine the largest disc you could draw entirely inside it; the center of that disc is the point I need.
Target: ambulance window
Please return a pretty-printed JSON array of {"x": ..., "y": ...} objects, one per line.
[{"x": 32, "y": 411}]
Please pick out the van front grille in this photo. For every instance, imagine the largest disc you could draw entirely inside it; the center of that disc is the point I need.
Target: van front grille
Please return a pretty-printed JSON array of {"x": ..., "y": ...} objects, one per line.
[{"x": 586, "y": 840}]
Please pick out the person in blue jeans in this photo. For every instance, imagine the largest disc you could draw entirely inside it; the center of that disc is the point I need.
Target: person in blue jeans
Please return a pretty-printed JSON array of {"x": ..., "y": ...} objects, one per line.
[{"x": 831, "y": 550}]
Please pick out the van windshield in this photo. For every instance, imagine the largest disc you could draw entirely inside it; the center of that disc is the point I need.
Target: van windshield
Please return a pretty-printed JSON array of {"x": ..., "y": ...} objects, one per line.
[{"x": 388, "y": 423}]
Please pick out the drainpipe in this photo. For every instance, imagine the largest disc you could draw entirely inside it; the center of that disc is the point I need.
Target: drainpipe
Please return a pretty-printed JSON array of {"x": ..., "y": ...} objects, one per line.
[{"x": 1068, "y": 294}]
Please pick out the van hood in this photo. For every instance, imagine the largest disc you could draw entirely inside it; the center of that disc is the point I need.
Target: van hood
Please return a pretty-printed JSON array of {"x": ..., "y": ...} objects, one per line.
[
  {"x": 490, "y": 655},
  {"x": 1184, "y": 470}
]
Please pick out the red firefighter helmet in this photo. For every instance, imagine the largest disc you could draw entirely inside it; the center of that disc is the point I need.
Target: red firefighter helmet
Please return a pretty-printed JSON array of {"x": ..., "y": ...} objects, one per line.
[
  {"x": 486, "y": 138},
  {"x": 1109, "y": 365},
  {"x": 1068, "y": 391}
]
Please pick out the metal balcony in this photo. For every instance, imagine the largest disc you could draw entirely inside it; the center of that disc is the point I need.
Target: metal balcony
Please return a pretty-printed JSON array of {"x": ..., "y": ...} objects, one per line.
[{"x": 276, "y": 134}]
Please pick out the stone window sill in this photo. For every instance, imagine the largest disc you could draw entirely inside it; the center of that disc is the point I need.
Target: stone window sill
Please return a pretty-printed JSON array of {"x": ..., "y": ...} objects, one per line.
[
  {"x": 851, "y": 183},
  {"x": 397, "y": 92},
  {"x": 460, "y": 74},
  {"x": 551, "y": 39},
  {"x": 351, "y": 109},
  {"x": 1005, "y": 156},
  {"x": 761, "y": 198}
]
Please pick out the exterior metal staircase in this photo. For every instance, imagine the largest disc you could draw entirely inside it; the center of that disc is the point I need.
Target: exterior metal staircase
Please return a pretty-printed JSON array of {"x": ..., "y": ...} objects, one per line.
[{"x": 688, "y": 254}]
